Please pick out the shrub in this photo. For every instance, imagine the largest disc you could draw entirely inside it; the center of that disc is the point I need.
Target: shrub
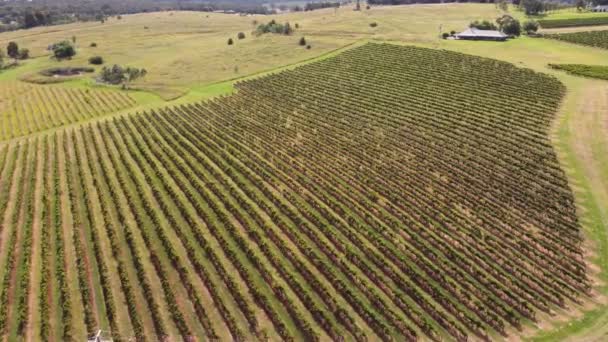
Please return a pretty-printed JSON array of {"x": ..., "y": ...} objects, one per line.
[
  {"x": 302, "y": 41},
  {"x": 530, "y": 26},
  {"x": 445, "y": 35},
  {"x": 23, "y": 54},
  {"x": 374, "y": 24},
  {"x": 274, "y": 27},
  {"x": 117, "y": 75},
  {"x": 241, "y": 35},
  {"x": 308, "y": 47},
  {"x": 452, "y": 33},
  {"x": 93, "y": 44},
  {"x": 483, "y": 25},
  {"x": 63, "y": 50},
  {"x": 96, "y": 60},
  {"x": 230, "y": 41}
]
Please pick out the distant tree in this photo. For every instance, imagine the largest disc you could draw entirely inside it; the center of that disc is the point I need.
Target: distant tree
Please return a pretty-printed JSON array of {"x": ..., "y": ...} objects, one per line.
[
  {"x": 119, "y": 17},
  {"x": 530, "y": 26},
  {"x": 509, "y": 25},
  {"x": 230, "y": 41},
  {"x": 12, "y": 50},
  {"x": 532, "y": 7},
  {"x": 287, "y": 30},
  {"x": 503, "y": 5},
  {"x": 96, "y": 60},
  {"x": 445, "y": 35},
  {"x": 302, "y": 41},
  {"x": 74, "y": 39},
  {"x": 23, "y": 54},
  {"x": 63, "y": 50},
  {"x": 41, "y": 18},
  {"x": 297, "y": 26},
  {"x": 241, "y": 35},
  {"x": 358, "y": 6},
  {"x": 374, "y": 24},
  {"x": 93, "y": 44},
  {"x": 581, "y": 5},
  {"x": 308, "y": 47},
  {"x": 29, "y": 20}
]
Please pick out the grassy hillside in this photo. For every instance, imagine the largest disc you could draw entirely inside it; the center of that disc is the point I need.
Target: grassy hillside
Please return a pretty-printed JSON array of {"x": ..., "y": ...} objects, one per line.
[{"x": 183, "y": 49}]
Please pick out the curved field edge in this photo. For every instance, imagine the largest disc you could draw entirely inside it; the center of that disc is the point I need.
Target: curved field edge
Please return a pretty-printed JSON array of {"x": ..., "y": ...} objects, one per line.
[{"x": 593, "y": 212}]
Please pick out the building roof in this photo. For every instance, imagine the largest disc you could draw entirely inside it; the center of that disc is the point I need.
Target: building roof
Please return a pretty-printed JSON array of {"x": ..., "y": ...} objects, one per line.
[{"x": 473, "y": 32}]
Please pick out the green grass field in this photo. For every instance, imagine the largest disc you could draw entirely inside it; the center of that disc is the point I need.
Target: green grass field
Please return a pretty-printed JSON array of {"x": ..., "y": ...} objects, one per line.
[{"x": 82, "y": 162}]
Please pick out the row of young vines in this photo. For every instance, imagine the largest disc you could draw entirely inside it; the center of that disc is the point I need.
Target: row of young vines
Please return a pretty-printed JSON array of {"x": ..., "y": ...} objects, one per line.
[{"x": 387, "y": 193}]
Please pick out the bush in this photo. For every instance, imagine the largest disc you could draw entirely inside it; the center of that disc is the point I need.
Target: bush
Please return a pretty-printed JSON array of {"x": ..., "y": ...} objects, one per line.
[
  {"x": 452, "y": 33},
  {"x": 117, "y": 75},
  {"x": 274, "y": 27},
  {"x": 373, "y": 24},
  {"x": 308, "y": 47},
  {"x": 63, "y": 50},
  {"x": 445, "y": 35},
  {"x": 241, "y": 35},
  {"x": 23, "y": 54},
  {"x": 93, "y": 44},
  {"x": 530, "y": 26},
  {"x": 96, "y": 60},
  {"x": 302, "y": 41},
  {"x": 230, "y": 41},
  {"x": 483, "y": 25}
]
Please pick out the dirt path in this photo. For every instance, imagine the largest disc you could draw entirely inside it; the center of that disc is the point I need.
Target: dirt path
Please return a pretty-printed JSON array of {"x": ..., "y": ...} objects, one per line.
[{"x": 34, "y": 298}]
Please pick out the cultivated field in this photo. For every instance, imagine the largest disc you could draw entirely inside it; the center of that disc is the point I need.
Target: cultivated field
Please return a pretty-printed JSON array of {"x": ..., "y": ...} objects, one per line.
[
  {"x": 591, "y": 38},
  {"x": 274, "y": 212},
  {"x": 26, "y": 109},
  {"x": 360, "y": 190}
]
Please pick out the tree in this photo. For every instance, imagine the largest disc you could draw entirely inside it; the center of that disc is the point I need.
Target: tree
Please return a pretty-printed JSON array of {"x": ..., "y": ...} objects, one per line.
[
  {"x": 12, "y": 50},
  {"x": 358, "y": 6},
  {"x": 63, "y": 50},
  {"x": 509, "y": 25},
  {"x": 530, "y": 26},
  {"x": 230, "y": 41},
  {"x": 241, "y": 35},
  {"x": 532, "y": 7},
  {"x": 302, "y": 41},
  {"x": 29, "y": 20}
]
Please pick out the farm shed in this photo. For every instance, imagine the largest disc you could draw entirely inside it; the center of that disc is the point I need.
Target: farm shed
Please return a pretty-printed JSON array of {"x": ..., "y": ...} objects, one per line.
[{"x": 475, "y": 34}]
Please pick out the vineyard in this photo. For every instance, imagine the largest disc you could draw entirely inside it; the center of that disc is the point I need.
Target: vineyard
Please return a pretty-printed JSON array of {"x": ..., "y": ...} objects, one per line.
[
  {"x": 387, "y": 193},
  {"x": 573, "y": 22},
  {"x": 593, "y": 71},
  {"x": 26, "y": 109},
  {"x": 597, "y": 39}
]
